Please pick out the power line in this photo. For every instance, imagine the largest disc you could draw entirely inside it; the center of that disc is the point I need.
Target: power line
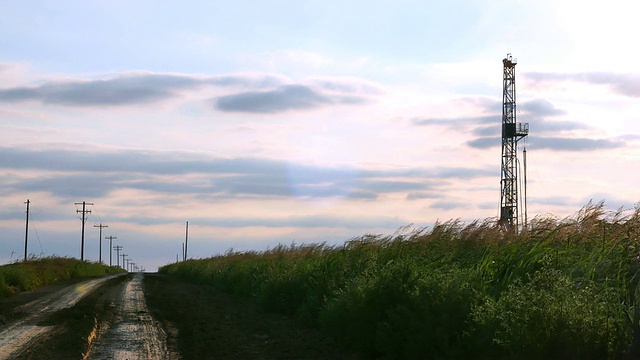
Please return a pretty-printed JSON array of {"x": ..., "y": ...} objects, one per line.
[
  {"x": 32, "y": 225},
  {"x": 96, "y": 213},
  {"x": 35, "y": 229}
]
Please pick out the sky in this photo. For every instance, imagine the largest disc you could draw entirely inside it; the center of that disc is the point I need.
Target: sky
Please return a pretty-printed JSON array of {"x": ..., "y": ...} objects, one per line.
[{"x": 291, "y": 122}]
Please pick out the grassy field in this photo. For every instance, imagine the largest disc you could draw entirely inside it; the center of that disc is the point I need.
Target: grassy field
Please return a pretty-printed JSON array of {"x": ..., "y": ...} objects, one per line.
[
  {"x": 566, "y": 288},
  {"x": 31, "y": 274}
]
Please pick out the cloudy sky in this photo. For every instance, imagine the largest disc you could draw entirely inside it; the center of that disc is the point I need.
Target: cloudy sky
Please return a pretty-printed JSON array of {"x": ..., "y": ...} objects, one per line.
[{"x": 302, "y": 121}]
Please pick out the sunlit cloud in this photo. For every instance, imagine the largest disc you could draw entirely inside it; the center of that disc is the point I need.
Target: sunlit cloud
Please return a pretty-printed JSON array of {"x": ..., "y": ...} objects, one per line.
[{"x": 622, "y": 84}]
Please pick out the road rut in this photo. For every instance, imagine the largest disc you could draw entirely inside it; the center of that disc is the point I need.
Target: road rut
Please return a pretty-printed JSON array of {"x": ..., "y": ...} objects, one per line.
[
  {"x": 134, "y": 334},
  {"x": 17, "y": 336}
]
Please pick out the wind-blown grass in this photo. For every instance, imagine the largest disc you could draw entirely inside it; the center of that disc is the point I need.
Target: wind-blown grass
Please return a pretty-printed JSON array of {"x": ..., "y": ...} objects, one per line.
[
  {"x": 31, "y": 274},
  {"x": 562, "y": 289}
]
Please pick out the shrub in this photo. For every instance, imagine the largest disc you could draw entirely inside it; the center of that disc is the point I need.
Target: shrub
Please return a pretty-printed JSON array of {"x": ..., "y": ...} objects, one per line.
[
  {"x": 403, "y": 312},
  {"x": 550, "y": 317}
]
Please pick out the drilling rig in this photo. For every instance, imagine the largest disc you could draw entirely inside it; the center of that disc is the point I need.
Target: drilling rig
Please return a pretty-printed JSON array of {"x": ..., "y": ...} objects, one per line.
[{"x": 512, "y": 132}]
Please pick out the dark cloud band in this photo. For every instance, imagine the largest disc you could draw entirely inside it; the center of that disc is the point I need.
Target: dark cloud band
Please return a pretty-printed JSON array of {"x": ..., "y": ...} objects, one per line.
[
  {"x": 265, "y": 93},
  {"x": 284, "y": 98},
  {"x": 553, "y": 143},
  {"x": 86, "y": 174}
]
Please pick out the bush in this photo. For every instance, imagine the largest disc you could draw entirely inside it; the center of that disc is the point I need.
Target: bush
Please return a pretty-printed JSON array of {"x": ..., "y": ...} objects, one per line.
[
  {"x": 4, "y": 288},
  {"x": 402, "y": 312},
  {"x": 550, "y": 317}
]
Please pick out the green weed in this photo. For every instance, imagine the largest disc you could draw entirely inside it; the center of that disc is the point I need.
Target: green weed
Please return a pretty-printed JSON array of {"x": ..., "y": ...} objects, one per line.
[
  {"x": 562, "y": 288},
  {"x": 33, "y": 273}
]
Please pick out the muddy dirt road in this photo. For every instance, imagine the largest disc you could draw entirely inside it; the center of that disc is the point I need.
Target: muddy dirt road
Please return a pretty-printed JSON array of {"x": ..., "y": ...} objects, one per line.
[
  {"x": 134, "y": 334},
  {"x": 104, "y": 318},
  {"x": 20, "y": 334}
]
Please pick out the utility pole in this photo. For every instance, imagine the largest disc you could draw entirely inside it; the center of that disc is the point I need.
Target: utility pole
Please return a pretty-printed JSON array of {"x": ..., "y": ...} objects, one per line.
[
  {"x": 186, "y": 241},
  {"x": 26, "y": 232},
  {"x": 100, "y": 238},
  {"x": 84, "y": 212},
  {"x": 117, "y": 248},
  {"x": 123, "y": 258},
  {"x": 111, "y": 247}
]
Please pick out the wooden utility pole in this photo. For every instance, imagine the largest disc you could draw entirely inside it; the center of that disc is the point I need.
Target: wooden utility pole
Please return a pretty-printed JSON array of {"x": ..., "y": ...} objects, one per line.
[
  {"x": 26, "y": 232},
  {"x": 84, "y": 212},
  {"x": 100, "y": 238},
  {"x": 123, "y": 258},
  {"x": 117, "y": 248},
  {"x": 111, "y": 247}
]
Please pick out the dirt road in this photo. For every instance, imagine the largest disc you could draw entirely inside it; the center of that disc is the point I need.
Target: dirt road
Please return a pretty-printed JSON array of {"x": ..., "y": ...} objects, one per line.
[
  {"x": 104, "y": 318},
  {"x": 18, "y": 335},
  {"x": 134, "y": 334}
]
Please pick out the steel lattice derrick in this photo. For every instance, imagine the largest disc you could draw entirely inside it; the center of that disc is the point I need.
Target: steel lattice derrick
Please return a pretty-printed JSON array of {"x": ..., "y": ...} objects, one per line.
[{"x": 511, "y": 133}]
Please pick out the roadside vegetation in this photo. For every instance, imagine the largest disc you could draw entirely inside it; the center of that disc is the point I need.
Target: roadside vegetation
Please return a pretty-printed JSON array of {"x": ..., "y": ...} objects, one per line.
[
  {"x": 31, "y": 274},
  {"x": 566, "y": 288}
]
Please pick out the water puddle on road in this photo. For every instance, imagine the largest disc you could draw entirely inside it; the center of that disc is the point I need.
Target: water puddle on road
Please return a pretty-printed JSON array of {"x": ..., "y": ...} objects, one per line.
[{"x": 135, "y": 334}]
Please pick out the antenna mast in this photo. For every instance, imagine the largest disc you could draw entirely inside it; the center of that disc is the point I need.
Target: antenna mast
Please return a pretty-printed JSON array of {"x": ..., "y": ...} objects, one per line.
[
  {"x": 512, "y": 132},
  {"x": 26, "y": 232},
  {"x": 186, "y": 240}
]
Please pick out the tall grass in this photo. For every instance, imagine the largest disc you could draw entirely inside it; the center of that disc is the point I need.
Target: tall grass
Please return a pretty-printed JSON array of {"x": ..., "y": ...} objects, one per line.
[
  {"x": 31, "y": 274},
  {"x": 561, "y": 289}
]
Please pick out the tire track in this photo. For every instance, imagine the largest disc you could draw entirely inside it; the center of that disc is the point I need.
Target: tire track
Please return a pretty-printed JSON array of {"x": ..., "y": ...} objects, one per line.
[
  {"x": 135, "y": 334},
  {"x": 17, "y": 336}
]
